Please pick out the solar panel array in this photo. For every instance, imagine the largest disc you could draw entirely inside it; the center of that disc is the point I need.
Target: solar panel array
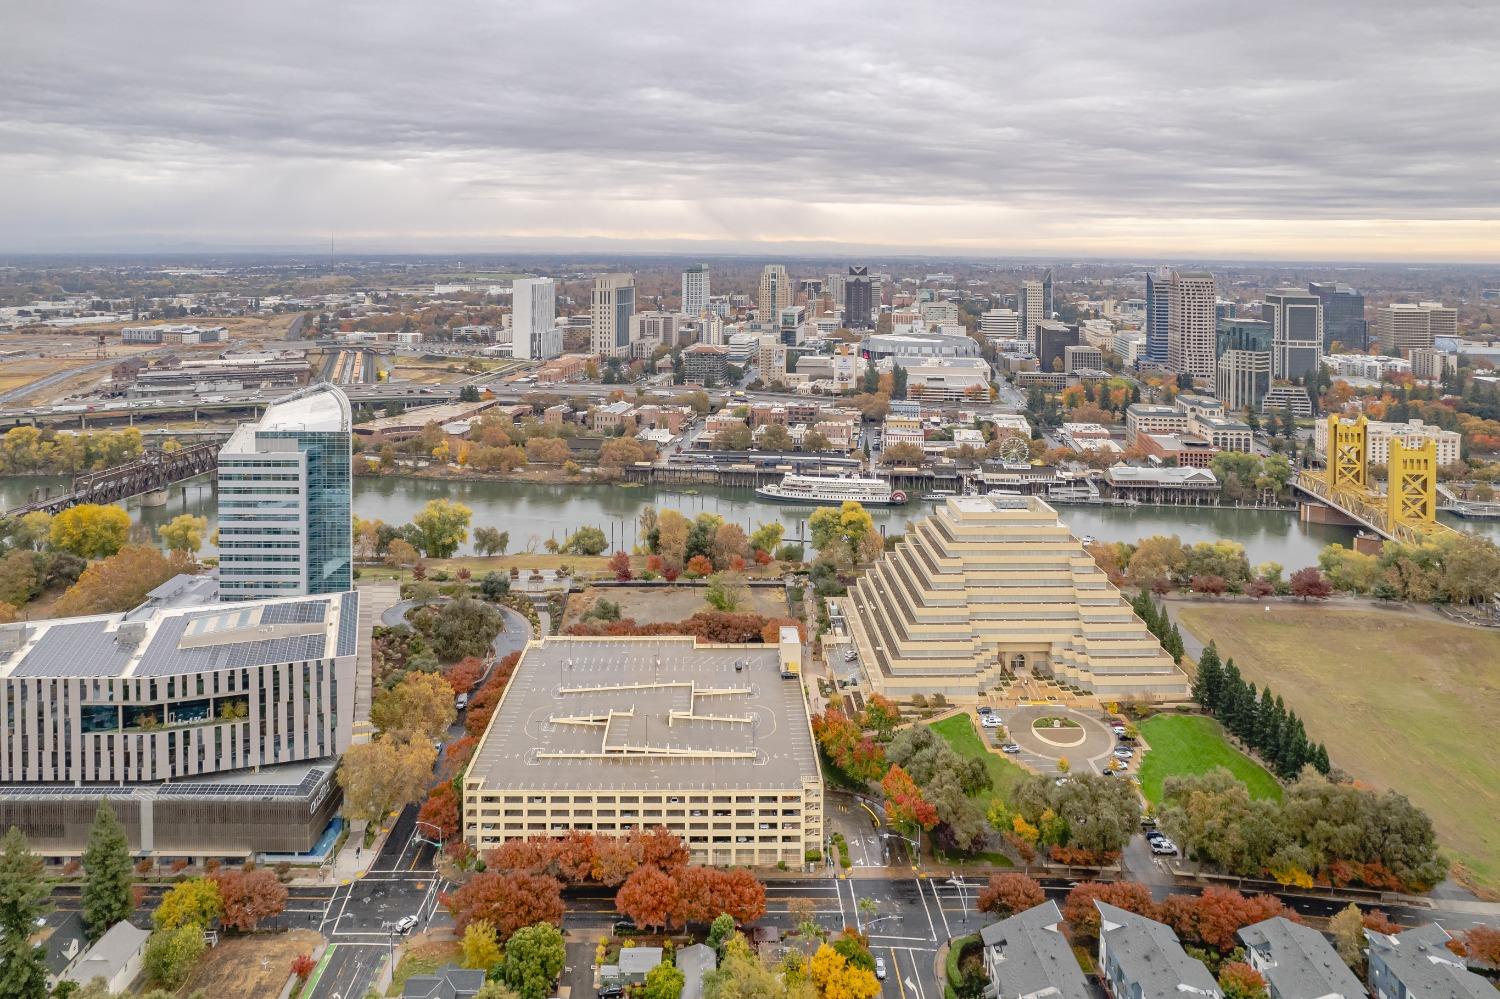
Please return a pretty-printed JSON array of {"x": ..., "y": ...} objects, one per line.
[
  {"x": 82, "y": 649},
  {"x": 302, "y": 612},
  {"x": 163, "y": 658},
  {"x": 348, "y": 624},
  {"x": 181, "y": 789}
]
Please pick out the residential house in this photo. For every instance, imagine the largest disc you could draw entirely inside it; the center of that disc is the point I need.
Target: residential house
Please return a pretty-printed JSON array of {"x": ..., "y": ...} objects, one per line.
[
  {"x": 1297, "y": 961},
  {"x": 116, "y": 957},
  {"x": 1417, "y": 964},
  {"x": 1028, "y": 956},
  {"x": 447, "y": 982},
  {"x": 1140, "y": 958}
]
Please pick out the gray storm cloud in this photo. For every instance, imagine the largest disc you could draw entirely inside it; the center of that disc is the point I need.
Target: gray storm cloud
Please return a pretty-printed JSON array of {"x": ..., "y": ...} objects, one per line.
[{"x": 994, "y": 127}]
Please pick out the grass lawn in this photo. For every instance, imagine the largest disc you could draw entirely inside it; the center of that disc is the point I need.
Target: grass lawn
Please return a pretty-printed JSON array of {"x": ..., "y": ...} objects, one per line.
[
  {"x": 961, "y": 735},
  {"x": 423, "y": 958},
  {"x": 1402, "y": 699},
  {"x": 1193, "y": 744}
]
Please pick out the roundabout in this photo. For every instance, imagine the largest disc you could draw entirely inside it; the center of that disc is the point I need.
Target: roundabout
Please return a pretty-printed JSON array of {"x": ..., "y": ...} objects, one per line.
[
  {"x": 1052, "y": 732},
  {"x": 1064, "y": 733}
]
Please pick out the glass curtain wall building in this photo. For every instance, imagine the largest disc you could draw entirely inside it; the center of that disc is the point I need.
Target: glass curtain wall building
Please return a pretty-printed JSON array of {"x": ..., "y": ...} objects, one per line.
[{"x": 285, "y": 500}]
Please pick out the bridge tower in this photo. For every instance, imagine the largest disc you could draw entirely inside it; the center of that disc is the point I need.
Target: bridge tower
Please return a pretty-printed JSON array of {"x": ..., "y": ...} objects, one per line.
[
  {"x": 1347, "y": 454},
  {"x": 1411, "y": 485}
]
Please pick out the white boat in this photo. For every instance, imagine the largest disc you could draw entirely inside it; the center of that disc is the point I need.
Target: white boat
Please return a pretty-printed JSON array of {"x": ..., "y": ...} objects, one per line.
[
  {"x": 826, "y": 489},
  {"x": 938, "y": 495}
]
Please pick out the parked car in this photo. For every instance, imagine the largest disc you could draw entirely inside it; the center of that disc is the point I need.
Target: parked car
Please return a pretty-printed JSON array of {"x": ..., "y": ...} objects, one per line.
[
  {"x": 623, "y": 926},
  {"x": 1010, "y": 747},
  {"x": 406, "y": 924},
  {"x": 880, "y": 968},
  {"x": 1117, "y": 729},
  {"x": 990, "y": 721},
  {"x": 611, "y": 992},
  {"x": 1164, "y": 847},
  {"x": 985, "y": 709},
  {"x": 461, "y": 701}
]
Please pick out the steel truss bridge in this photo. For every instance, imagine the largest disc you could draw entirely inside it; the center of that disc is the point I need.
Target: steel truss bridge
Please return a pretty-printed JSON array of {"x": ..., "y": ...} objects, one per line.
[
  {"x": 1406, "y": 511},
  {"x": 151, "y": 471}
]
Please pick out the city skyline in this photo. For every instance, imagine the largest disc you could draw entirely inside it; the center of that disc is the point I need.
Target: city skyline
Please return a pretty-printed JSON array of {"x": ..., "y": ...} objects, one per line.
[{"x": 439, "y": 131}]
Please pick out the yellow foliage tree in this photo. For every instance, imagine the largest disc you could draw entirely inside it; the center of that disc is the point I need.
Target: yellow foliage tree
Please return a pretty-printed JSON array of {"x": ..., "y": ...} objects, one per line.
[
  {"x": 835, "y": 978},
  {"x": 420, "y": 706},
  {"x": 1025, "y": 830},
  {"x": 91, "y": 530},
  {"x": 481, "y": 947},
  {"x": 183, "y": 533}
]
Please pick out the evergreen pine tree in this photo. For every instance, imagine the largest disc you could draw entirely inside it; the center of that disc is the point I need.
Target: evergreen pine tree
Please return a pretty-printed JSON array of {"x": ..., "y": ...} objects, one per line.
[
  {"x": 1265, "y": 721},
  {"x": 1174, "y": 638},
  {"x": 23, "y": 897},
  {"x": 106, "y": 874},
  {"x": 1320, "y": 759},
  {"x": 1243, "y": 724},
  {"x": 1209, "y": 681}
]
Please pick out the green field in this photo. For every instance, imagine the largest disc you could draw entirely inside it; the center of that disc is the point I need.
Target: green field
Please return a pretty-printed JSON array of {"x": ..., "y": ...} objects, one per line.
[
  {"x": 961, "y": 735},
  {"x": 1401, "y": 698},
  {"x": 1193, "y": 744}
]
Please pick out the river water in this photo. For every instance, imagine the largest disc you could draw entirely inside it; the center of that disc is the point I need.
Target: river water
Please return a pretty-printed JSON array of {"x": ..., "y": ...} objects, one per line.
[{"x": 533, "y": 512}]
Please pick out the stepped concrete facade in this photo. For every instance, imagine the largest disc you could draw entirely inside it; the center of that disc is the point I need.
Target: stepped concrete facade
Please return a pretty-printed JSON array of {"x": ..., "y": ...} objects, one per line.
[{"x": 992, "y": 590}]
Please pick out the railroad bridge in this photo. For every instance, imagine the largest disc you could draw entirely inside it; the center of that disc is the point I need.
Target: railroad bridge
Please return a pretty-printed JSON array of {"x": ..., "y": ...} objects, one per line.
[
  {"x": 151, "y": 472},
  {"x": 1405, "y": 512}
]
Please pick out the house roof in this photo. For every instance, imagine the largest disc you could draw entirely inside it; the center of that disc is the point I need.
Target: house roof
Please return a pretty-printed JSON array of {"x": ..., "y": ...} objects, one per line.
[
  {"x": 1298, "y": 961},
  {"x": 694, "y": 962},
  {"x": 120, "y": 943},
  {"x": 1030, "y": 956},
  {"x": 447, "y": 982},
  {"x": 1150, "y": 956},
  {"x": 1422, "y": 961},
  {"x": 639, "y": 960}
]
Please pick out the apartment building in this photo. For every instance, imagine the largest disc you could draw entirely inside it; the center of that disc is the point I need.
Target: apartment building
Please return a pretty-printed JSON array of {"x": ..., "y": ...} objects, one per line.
[
  {"x": 612, "y": 305},
  {"x": 1431, "y": 364},
  {"x": 1143, "y": 959},
  {"x": 1032, "y": 309},
  {"x": 1192, "y": 325},
  {"x": 775, "y": 294},
  {"x": 1402, "y": 327},
  {"x": 165, "y": 707},
  {"x": 1297, "y": 961},
  {"x": 713, "y": 742},
  {"x": 1413, "y": 433},
  {"x": 990, "y": 589},
  {"x": 285, "y": 497},
  {"x": 534, "y": 332},
  {"x": 695, "y": 291}
]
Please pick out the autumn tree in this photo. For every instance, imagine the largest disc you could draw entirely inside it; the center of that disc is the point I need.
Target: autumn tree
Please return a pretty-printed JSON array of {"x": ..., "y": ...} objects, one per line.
[
  {"x": 534, "y": 957},
  {"x": 442, "y": 526},
  {"x": 249, "y": 897},
  {"x": 835, "y": 978},
  {"x": 904, "y": 803},
  {"x": 480, "y": 948},
  {"x": 648, "y": 897},
  {"x": 663, "y": 982},
  {"x": 1240, "y": 981},
  {"x": 1081, "y": 914},
  {"x": 491, "y": 541},
  {"x": 1008, "y": 894},
  {"x": 441, "y": 811},
  {"x": 400, "y": 554},
  {"x": 195, "y": 900},
  {"x": 619, "y": 564},
  {"x": 171, "y": 954},
  {"x": 183, "y": 533},
  {"x": 1482, "y": 944},
  {"x": 383, "y": 773},
  {"x": 1213, "y": 917},
  {"x": 419, "y": 707},
  {"x": 1310, "y": 583},
  {"x": 462, "y": 675},
  {"x": 121, "y": 581},
  {"x": 1348, "y": 930},
  {"x": 507, "y": 901},
  {"x": 741, "y": 975},
  {"x": 91, "y": 530}
]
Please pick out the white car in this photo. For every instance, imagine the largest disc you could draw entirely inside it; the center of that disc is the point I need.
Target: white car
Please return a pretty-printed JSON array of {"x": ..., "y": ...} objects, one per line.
[
  {"x": 1163, "y": 847},
  {"x": 989, "y": 721},
  {"x": 880, "y": 968},
  {"x": 1124, "y": 754},
  {"x": 406, "y": 924}
]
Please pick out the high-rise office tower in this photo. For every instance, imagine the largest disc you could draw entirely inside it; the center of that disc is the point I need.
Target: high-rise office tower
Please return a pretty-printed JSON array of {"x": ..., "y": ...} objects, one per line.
[
  {"x": 857, "y": 307},
  {"x": 1032, "y": 301},
  {"x": 612, "y": 306},
  {"x": 534, "y": 332},
  {"x": 1001, "y": 324},
  {"x": 1047, "y": 294},
  {"x": 1402, "y": 327},
  {"x": 1244, "y": 363},
  {"x": 1343, "y": 316},
  {"x": 1296, "y": 319},
  {"x": 285, "y": 502},
  {"x": 695, "y": 290},
  {"x": 1191, "y": 327},
  {"x": 835, "y": 287},
  {"x": 1158, "y": 314},
  {"x": 775, "y": 295}
]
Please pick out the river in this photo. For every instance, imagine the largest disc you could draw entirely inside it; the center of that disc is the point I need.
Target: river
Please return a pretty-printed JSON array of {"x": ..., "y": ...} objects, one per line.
[{"x": 533, "y": 512}]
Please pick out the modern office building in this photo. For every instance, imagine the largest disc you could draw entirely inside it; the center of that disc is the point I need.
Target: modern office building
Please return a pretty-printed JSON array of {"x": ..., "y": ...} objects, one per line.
[
  {"x": 695, "y": 290},
  {"x": 1243, "y": 369},
  {"x": 705, "y": 364},
  {"x": 1158, "y": 314},
  {"x": 285, "y": 495},
  {"x": 534, "y": 332},
  {"x": 1343, "y": 316},
  {"x": 1296, "y": 319},
  {"x": 1047, "y": 310},
  {"x": 995, "y": 590},
  {"x": 859, "y": 312},
  {"x": 1191, "y": 325},
  {"x": 609, "y": 735},
  {"x": 612, "y": 306},
  {"x": 1051, "y": 339},
  {"x": 1032, "y": 309},
  {"x": 1000, "y": 324},
  {"x": 1402, "y": 327},
  {"x": 212, "y": 729},
  {"x": 1082, "y": 358},
  {"x": 775, "y": 294}
]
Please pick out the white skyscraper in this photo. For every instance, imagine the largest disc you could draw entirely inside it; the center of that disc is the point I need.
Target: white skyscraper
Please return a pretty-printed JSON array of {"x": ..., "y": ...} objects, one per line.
[
  {"x": 1033, "y": 311},
  {"x": 285, "y": 500},
  {"x": 694, "y": 290},
  {"x": 534, "y": 333},
  {"x": 1192, "y": 327}
]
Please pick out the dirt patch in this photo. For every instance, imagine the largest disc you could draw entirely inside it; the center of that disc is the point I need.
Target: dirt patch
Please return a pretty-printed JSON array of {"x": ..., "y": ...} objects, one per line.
[
  {"x": 654, "y": 604},
  {"x": 255, "y": 965}
]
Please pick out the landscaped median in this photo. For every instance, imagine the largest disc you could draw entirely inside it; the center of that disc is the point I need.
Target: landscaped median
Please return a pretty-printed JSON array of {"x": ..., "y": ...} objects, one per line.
[{"x": 1194, "y": 744}]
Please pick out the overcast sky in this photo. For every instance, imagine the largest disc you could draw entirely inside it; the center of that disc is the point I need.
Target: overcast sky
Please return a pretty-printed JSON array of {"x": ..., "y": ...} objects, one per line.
[{"x": 1364, "y": 129}]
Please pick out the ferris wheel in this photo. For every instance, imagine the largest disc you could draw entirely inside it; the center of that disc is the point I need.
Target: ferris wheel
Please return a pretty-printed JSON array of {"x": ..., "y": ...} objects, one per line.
[{"x": 1015, "y": 450}]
